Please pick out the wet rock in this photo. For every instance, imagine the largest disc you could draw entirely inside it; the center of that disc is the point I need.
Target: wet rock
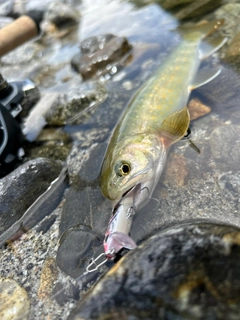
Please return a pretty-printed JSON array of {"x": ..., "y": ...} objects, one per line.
[
  {"x": 77, "y": 247},
  {"x": 21, "y": 55},
  {"x": 230, "y": 13},
  {"x": 62, "y": 15},
  {"x": 53, "y": 144},
  {"x": 225, "y": 145},
  {"x": 188, "y": 271},
  {"x": 13, "y": 300},
  {"x": 68, "y": 107},
  {"x": 230, "y": 183},
  {"x": 31, "y": 96},
  {"x": 197, "y": 8},
  {"x": 84, "y": 218},
  {"x": 101, "y": 55},
  {"x": 176, "y": 170},
  {"x": 169, "y": 4},
  {"x": 48, "y": 277},
  {"x": 6, "y": 8},
  {"x": 23, "y": 186},
  {"x": 221, "y": 93},
  {"x": 62, "y": 294},
  {"x": 197, "y": 109}
]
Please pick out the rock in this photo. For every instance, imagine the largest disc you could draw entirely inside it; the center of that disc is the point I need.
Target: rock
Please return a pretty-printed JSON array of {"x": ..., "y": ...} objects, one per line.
[
  {"x": 190, "y": 271},
  {"x": 48, "y": 277},
  {"x": 13, "y": 300},
  {"x": 6, "y": 8},
  {"x": 23, "y": 186},
  {"x": 225, "y": 145},
  {"x": 62, "y": 15},
  {"x": 101, "y": 55},
  {"x": 176, "y": 171},
  {"x": 81, "y": 227},
  {"x": 68, "y": 107},
  {"x": 52, "y": 143},
  {"x": 197, "y": 109},
  {"x": 31, "y": 96},
  {"x": 221, "y": 93},
  {"x": 170, "y": 4},
  {"x": 197, "y": 8},
  {"x": 62, "y": 294},
  {"x": 77, "y": 247},
  {"x": 230, "y": 13},
  {"x": 230, "y": 183}
]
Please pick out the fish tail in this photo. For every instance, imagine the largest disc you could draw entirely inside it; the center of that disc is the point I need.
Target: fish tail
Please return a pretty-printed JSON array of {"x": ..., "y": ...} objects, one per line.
[
  {"x": 204, "y": 29},
  {"x": 200, "y": 31}
]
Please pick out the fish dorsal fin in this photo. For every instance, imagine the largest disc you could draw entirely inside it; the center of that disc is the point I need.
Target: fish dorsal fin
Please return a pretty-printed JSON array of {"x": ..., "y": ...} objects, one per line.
[
  {"x": 209, "y": 46},
  {"x": 204, "y": 76},
  {"x": 175, "y": 125}
]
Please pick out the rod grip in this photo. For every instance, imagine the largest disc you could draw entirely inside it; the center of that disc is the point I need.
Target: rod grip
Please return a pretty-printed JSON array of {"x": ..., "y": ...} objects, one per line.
[{"x": 16, "y": 33}]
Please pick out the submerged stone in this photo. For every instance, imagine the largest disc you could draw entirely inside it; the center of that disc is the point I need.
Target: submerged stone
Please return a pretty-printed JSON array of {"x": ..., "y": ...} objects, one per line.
[
  {"x": 69, "y": 107},
  {"x": 225, "y": 145},
  {"x": 197, "y": 8},
  {"x": 104, "y": 54},
  {"x": 189, "y": 271}
]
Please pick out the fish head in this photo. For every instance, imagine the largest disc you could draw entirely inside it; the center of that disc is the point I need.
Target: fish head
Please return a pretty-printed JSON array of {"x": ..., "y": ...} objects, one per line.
[{"x": 138, "y": 160}]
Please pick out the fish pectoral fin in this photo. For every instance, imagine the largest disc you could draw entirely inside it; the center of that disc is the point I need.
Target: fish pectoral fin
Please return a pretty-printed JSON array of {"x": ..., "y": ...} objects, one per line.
[
  {"x": 174, "y": 127},
  {"x": 209, "y": 46},
  {"x": 204, "y": 76}
]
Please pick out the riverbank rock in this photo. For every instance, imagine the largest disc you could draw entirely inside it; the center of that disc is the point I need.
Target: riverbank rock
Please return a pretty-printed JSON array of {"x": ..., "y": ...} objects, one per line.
[
  {"x": 101, "y": 55},
  {"x": 172, "y": 276},
  {"x": 23, "y": 186}
]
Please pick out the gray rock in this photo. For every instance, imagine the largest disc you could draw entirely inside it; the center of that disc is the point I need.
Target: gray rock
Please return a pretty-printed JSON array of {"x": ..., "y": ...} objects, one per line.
[
  {"x": 70, "y": 106},
  {"x": 188, "y": 271},
  {"x": 62, "y": 15},
  {"x": 13, "y": 300},
  {"x": 230, "y": 13},
  {"x": 225, "y": 145},
  {"x": 101, "y": 55},
  {"x": 197, "y": 8},
  {"x": 23, "y": 186}
]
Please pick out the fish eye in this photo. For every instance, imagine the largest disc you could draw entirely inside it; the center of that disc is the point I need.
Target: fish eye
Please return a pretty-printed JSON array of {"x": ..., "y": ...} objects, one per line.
[{"x": 122, "y": 168}]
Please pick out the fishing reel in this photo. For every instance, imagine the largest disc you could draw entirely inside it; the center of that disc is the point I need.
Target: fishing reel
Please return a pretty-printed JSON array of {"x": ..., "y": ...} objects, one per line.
[{"x": 12, "y": 95}]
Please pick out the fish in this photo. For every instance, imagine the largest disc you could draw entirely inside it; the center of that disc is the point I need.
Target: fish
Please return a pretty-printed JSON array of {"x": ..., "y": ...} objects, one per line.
[{"x": 156, "y": 118}]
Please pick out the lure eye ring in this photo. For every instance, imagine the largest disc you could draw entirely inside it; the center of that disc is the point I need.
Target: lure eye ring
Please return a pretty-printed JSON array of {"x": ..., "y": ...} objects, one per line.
[{"x": 122, "y": 168}]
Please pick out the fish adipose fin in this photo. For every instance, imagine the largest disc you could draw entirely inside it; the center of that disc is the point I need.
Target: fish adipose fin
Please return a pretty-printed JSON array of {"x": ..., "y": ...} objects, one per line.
[
  {"x": 204, "y": 76},
  {"x": 209, "y": 46},
  {"x": 175, "y": 125}
]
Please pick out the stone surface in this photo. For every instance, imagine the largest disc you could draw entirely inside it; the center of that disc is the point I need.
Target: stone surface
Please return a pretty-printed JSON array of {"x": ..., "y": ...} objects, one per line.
[
  {"x": 172, "y": 275},
  {"x": 105, "y": 54},
  {"x": 176, "y": 170},
  {"x": 229, "y": 12},
  {"x": 225, "y": 145},
  {"x": 14, "y": 301},
  {"x": 197, "y": 8},
  {"x": 197, "y": 109},
  {"x": 62, "y": 15},
  {"x": 68, "y": 107},
  {"x": 23, "y": 186},
  {"x": 48, "y": 277}
]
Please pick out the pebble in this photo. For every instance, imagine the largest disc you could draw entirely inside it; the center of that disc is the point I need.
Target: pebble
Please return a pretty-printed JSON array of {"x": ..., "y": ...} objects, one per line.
[
  {"x": 14, "y": 301},
  {"x": 176, "y": 170},
  {"x": 197, "y": 109},
  {"x": 48, "y": 277}
]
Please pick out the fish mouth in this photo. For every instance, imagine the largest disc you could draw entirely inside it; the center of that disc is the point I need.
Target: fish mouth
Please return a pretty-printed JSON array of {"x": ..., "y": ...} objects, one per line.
[{"x": 133, "y": 198}]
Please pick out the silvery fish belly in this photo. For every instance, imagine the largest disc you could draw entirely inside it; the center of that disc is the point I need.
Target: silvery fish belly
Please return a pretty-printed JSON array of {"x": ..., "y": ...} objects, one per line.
[{"x": 156, "y": 118}]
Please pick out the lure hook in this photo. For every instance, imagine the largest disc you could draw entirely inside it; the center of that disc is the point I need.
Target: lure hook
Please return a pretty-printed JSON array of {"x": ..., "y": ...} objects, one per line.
[{"x": 94, "y": 262}]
